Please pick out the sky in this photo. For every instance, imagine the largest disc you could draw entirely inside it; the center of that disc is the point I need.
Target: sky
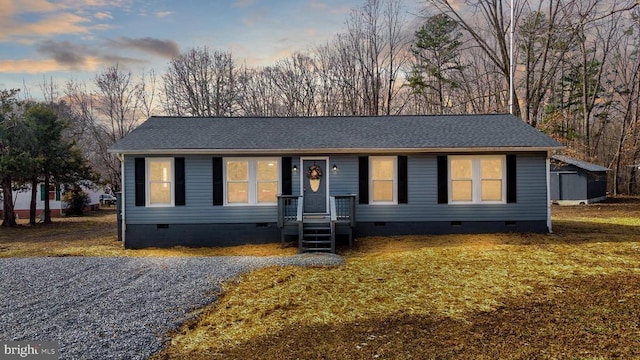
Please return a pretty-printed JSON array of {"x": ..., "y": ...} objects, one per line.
[{"x": 64, "y": 40}]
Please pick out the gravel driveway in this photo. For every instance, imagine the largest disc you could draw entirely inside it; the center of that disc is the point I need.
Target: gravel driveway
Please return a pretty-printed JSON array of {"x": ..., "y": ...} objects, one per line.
[{"x": 116, "y": 307}]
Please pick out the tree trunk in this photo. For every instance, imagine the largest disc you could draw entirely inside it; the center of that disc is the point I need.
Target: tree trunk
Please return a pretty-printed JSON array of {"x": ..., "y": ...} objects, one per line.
[
  {"x": 32, "y": 205},
  {"x": 7, "y": 208},
  {"x": 47, "y": 206}
]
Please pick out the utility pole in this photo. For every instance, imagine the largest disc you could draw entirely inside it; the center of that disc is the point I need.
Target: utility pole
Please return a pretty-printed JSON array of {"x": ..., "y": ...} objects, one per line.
[{"x": 511, "y": 69}]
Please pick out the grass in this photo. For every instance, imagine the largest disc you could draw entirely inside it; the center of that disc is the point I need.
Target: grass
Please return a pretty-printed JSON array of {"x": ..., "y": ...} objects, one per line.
[
  {"x": 95, "y": 235},
  {"x": 574, "y": 294}
]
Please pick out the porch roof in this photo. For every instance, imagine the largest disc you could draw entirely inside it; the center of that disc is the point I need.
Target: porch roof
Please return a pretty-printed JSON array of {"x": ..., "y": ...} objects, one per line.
[{"x": 250, "y": 135}]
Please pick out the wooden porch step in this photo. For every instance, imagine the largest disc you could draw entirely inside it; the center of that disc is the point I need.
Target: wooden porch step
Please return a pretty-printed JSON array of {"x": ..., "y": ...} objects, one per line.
[
  {"x": 316, "y": 242},
  {"x": 324, "y": 228}
]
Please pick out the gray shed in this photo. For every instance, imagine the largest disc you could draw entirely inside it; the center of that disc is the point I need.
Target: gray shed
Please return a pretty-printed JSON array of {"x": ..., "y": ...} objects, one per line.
[{"x": 574, "y": 182}]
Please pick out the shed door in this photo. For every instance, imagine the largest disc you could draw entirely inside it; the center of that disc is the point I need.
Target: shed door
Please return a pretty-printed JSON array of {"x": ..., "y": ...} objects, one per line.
[{"x": 315, "y": 186}]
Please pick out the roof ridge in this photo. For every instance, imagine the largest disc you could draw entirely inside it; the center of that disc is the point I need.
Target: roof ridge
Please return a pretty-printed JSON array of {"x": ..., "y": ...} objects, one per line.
[{"x": 328, "y": 117}]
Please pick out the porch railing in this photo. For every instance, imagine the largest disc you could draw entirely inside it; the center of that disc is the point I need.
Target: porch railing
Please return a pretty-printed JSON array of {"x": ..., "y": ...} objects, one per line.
[
  {"x": 343, "y": 209},
  {"x": 289, "y": 209},
  {"x": 343, "y": 216},
  {"x": 290, "y": 216}
]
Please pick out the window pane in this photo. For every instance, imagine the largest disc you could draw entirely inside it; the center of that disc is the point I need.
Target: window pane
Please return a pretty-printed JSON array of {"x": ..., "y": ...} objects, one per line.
[
  {"x": 382, "y": 190},
  {"x": 237, "y": 192},
  {"x": 159, "y": 193},
  {"x": 491, "y": 190},
  {"x": 382, "y": 168},
  {"x": 461, "y": 168},
  {"x": 267, "y": 192},
  {"x": 237, "y": 170},
  {"x": 267, "y": 170},
  {"x": 461, "y": 190},
  {"x": 491, "y": 168},
  {"x": 159, "y": 170}
]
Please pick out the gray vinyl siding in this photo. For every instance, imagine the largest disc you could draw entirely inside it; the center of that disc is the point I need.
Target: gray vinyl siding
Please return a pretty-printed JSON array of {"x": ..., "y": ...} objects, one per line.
[
  {"x": 199, "y": 200},
  {"x": 422, "y": 188},
  {"x": 423, "y": 202}
]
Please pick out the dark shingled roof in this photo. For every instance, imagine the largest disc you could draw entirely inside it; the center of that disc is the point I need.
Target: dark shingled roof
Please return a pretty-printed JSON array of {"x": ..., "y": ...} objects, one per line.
[
  {"x": 581, "y": 164},
  {"x": 340, "y": 134}
]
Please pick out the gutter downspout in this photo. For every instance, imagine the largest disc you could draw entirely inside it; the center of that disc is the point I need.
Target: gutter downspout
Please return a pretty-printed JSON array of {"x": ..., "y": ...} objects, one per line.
[
  {"x": 548, "y": 173},
  {"x": 123, "y": 199}
]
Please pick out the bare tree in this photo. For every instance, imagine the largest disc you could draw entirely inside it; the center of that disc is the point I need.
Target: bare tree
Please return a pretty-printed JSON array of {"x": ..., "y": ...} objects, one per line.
[
  {"x": 486, "y": 22},
  {"x": 201, "y": 83},
  {"x": 105, "y": 115}
]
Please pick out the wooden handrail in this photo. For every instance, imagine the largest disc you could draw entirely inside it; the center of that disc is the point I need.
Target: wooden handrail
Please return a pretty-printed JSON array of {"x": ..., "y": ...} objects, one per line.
[
  {"x": 332, "y": 209},
  {"x": 300, "y": 209}
]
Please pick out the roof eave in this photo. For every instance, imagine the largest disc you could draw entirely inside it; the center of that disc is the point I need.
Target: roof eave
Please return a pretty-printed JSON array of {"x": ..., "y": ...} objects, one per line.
[{"x": 334, "y": 151}]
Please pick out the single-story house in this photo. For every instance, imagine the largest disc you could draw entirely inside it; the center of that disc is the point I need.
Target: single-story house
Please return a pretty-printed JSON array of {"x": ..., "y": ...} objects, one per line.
[
  {"x": 221, "y": 181},
  {"x": 575, "y": 182},
  {"x": 22, "y": 200}
]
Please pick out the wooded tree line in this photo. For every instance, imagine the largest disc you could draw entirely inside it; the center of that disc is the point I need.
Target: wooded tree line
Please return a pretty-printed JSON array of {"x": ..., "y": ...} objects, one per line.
[{"x": 576, "y": 77}]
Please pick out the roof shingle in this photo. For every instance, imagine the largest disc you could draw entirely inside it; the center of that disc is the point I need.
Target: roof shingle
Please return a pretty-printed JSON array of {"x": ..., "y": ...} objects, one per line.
[{"x": 333, "y": 133}]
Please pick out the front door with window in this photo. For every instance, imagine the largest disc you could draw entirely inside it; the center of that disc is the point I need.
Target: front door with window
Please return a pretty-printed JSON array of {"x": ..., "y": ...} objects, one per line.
[{"x": 314, "y": 182}]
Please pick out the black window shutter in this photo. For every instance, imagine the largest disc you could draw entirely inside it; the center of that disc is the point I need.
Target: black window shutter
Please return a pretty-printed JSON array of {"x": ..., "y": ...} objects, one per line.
[
  {"x": 403, "y": 187},
  {"x": 443, "y": 178},
  {"x": 218, "y": 189},
  {"x": 363, "y": 180},
  {"x": 140, "y": 181},
  {"x": 180, "y": 183},
  {"x": 286, "y": 176},
  {"x": 511, "y": 179}
]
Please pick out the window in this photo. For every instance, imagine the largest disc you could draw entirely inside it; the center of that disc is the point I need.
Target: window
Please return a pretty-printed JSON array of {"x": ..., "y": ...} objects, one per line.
[
  {"x": 383, "y": 179},
  {"x": 237, "y": 182},
  {"x": 160, "y": 182},
  {"x": 477, "y": 179},
  {"x": 251, "y": 181}
]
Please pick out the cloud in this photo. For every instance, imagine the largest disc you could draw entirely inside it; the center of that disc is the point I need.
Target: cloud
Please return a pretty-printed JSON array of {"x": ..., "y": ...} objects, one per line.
[
  {"x": 164, "y": 48},
  {"x": 103, "y": 15},
  {"x": 162, "y": 14},
  {"x": 243, "y": 3},
  {"x": 69, "y": 56},
  {"x": 317, "y": 5},
  {"x": 30, "y": 66},
  {"x": 64, "y": 23},
  {"x": 27, "y": 20},
  {"x": 65, "y": 53}
]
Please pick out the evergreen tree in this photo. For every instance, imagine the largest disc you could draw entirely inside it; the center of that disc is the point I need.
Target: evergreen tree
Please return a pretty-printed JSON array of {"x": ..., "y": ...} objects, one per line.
[
  {"x": 55, "y": 158},
  {"x": 436, "y": 51}
]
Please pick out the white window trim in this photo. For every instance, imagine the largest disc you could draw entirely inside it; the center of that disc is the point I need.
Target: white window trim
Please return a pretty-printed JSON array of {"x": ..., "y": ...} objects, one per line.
[
  {"x": 148, "y": 181},
  {"x": 252, "y": 179},
  {"x": 395, "y": 181},
  {"x": 476, "y": 179}
]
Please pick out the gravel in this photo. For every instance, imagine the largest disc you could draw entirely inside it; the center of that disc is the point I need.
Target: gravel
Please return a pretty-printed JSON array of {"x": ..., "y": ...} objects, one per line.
[{"x": 116, "y": 307}]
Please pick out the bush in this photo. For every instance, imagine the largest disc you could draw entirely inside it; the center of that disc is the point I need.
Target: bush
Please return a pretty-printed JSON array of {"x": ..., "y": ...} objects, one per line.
[{"x": 76, "y": 200}]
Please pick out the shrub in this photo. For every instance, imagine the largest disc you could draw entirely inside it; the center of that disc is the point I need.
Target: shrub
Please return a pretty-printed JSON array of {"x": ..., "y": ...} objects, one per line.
[{"x": 76, "y": 200}]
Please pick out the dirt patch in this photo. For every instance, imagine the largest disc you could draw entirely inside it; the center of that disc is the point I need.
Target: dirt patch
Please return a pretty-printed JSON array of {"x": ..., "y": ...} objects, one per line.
[{"x": 587, "y": 317}]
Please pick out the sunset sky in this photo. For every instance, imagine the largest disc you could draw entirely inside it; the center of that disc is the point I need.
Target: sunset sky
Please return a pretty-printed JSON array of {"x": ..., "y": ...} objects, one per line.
[{"x": 74, "y": 39}]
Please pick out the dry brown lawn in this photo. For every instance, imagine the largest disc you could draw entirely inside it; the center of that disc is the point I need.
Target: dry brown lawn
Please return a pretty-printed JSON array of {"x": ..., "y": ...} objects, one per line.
[
  {"x": 574, "y": 294},
  {"x": 95, "y": 235}
]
